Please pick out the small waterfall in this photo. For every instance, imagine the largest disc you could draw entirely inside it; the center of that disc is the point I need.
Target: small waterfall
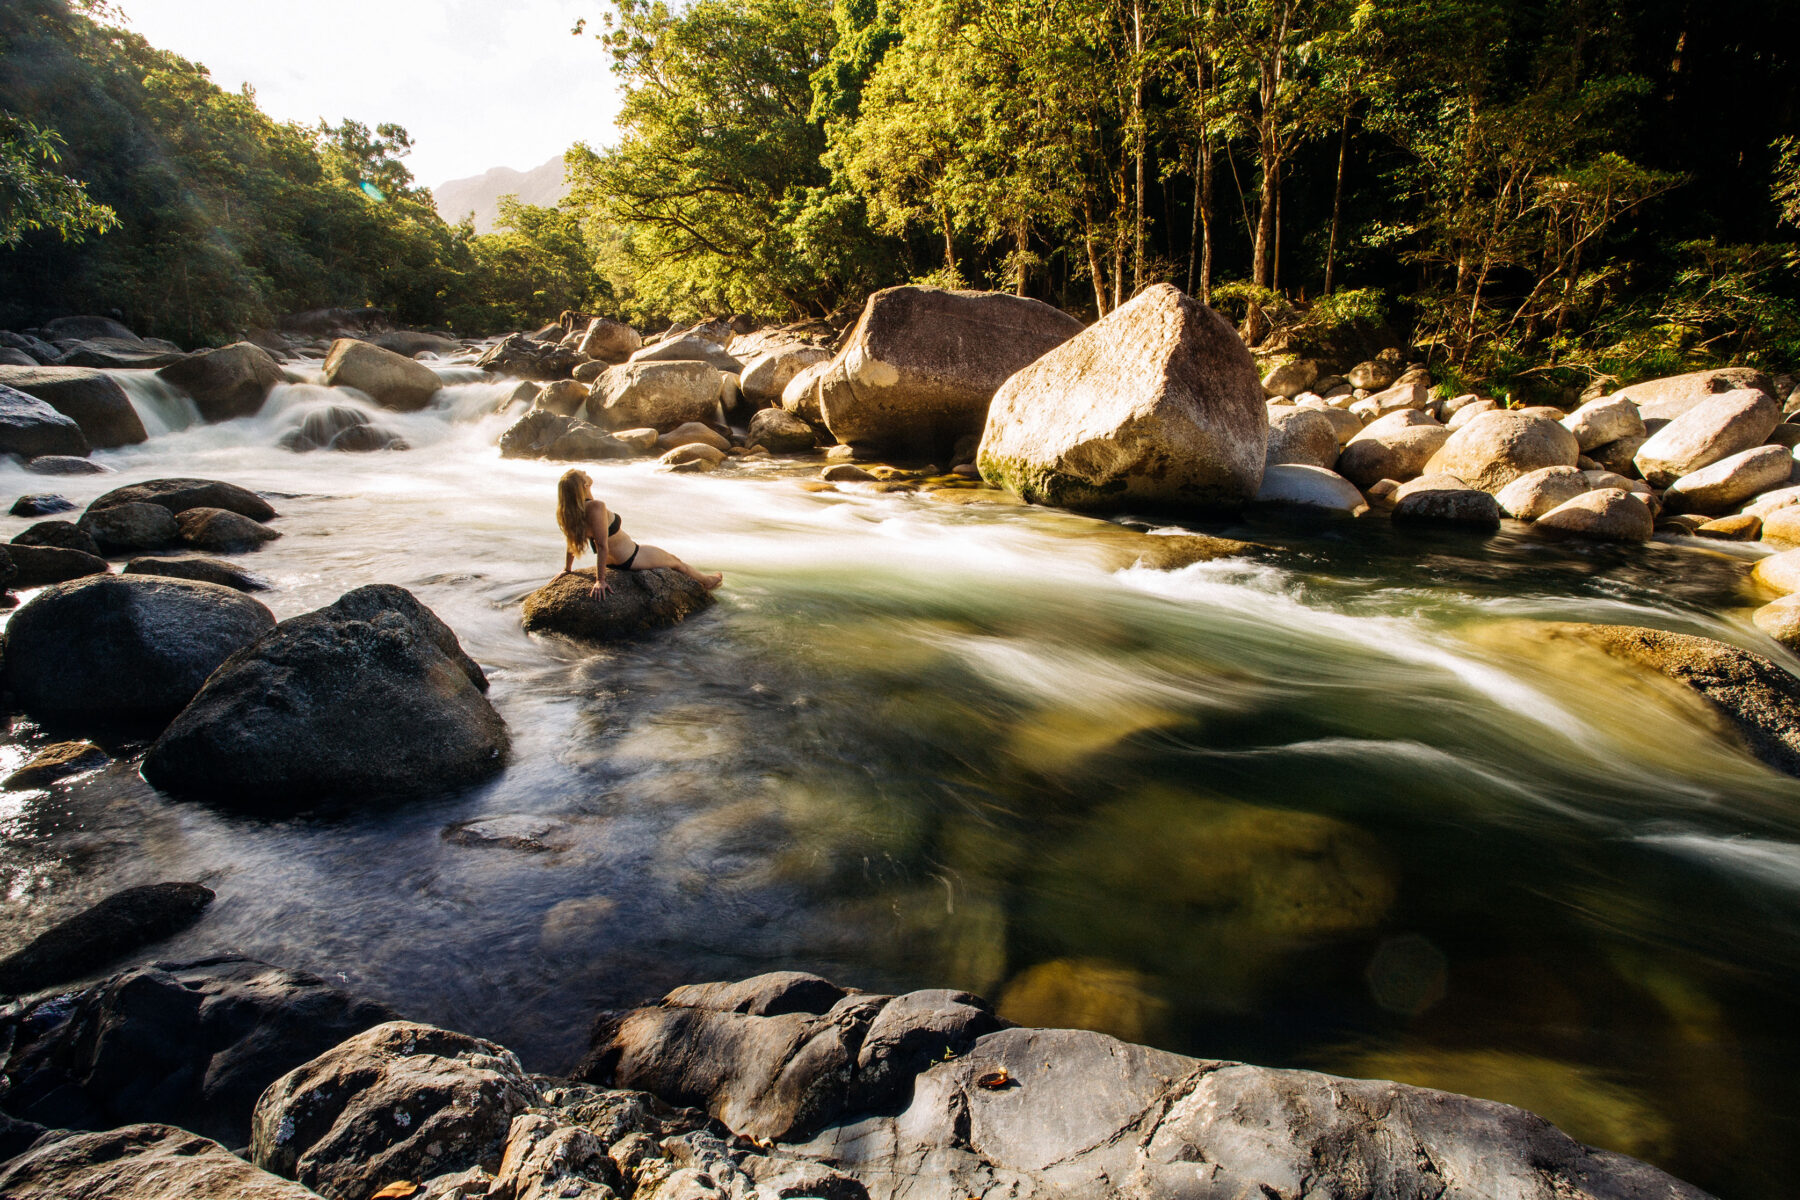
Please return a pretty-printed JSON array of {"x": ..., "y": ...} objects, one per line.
[{"x": 161, "y": 406}]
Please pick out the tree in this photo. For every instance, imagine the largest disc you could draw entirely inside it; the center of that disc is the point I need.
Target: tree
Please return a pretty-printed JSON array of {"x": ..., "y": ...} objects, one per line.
[{"x": 33, "y": 196}]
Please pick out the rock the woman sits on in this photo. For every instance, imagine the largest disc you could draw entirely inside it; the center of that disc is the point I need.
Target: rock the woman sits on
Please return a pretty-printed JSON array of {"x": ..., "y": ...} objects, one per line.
[{"x": 587, "y": 524}]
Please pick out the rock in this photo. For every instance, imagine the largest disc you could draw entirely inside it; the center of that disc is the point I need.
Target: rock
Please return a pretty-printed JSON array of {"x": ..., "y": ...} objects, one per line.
[
  {"x": 565, "y": 398},
  {"x": 1768, "y": 502},
  {"x": 29, "y": 427},
  {"x": 229, "y": 382},
  {"x": 1407, "y": 393},
  {"x": 39, "y": 565},
  {"x": 1304, "y": 436},
  {"x": 36, "y": 349},
  {"x": 114, "y": 354},
  {"x": 189, "y": 1043},
  {"x": 1443, "y": 500},
  {"x": 922, "y": 365},
  {"x": 1605, "y": 515},
  {"x": 84, "y": 328},
  {"x": 48, "y": 765},
  {"x": 656, "y": 393},
  {"x": 398, "y": 1102},
  {"x": 533, "y": 434},
  {"x": 638, "y": 441},
  {"x": 514, "y": 831},
  {"x": 694, "y": 433},
  {"x": 1673, "y": 395},
  {"x": 368, "y": 698},
  {"x": 609, "y": 341},
  {"x": 1782, "y": 525},
  {"x": 1722, "y": 486},
  {"x": 1714, "y": 428},
  {"x": 1605, "y": 420},
  {"x": 782, "y": 432},
  {"x": 1780, "y": 573},
  {"x": 1469, "y": 412},
  {"x": 582, "y": 442},
  {"x": 93, "y": 399},
  {"x": 1311, "y": 487},
  {"x": 222, "y": 531},
  {"x": 1291, "y": 378},
  {"x": 1157, "y": 404},
  {"x": 142, "y": 1162},
  {"x": 1537, "y": 492},
  {"x": 1345, "y": 424},
  {"x": 586, "y": 373},
  {"x": 1397, "y": 447},
  {"x": 1449, "y": 408},
  {"x": 546, "y": 1159},
  {"x": 410, "y": 343},
  {"x": 65, "y": 534},
  {"x": 1495, "y": 448},
  {"x": 518, "y": 354},
  {"x": 1377, "y": 373},
  {"x": 17, "y": 358},
  {"x": 63, "y": 464},
  {"x": 694, "y": 456},
  {"x": 689, "y": 349},
  {"x": 640, "y": 601},
  {"x": 127, "y": 527},
  {"x": 206, "y": 570},
  {"x": 179, "y": 495},
  {"x": 340, "y": 427},
  {"x": 845, "y": 473},
  {"x": 1781, "y": 621},
  {"x": 41, "y": 504},
  {"x": 1618, "y": 456},
  {"x": 801, "y": 395},
  {"x": 391, "y": 380},
  {"x": 767, "y": 375},
  {"x": 118, "y": 925},
  {"x": 1739, "y": 528},
  {"x": 1758, "y": 699}
]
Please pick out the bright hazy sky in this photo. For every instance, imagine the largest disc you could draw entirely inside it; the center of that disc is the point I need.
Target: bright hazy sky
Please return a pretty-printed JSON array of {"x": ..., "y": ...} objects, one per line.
[{"x": 477, "y": 84}]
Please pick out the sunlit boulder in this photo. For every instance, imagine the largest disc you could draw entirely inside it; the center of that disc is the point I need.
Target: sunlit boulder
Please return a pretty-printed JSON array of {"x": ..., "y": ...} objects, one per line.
[{"x": 391, "y": 380}]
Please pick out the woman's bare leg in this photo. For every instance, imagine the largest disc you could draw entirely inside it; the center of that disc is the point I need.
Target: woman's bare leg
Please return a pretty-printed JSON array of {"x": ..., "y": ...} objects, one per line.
[{"x": 656, "y": 556}]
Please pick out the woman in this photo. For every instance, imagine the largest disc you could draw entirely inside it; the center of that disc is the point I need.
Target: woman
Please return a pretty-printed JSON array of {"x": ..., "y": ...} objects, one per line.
[{"x": 586, "y": 525}]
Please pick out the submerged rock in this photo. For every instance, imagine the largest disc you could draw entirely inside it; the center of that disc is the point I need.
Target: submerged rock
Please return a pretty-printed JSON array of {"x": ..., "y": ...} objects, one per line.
[
  {"x": 640, "y": 602},
  {"x": 142, "y": 1162},
  {"x": 41, "y": 504},
  {"x": 56, "y": 762},
  {"x": 86, "y": 942}
]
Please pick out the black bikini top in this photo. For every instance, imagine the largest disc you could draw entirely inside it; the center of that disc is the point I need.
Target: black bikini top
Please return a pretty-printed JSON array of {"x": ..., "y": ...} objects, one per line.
[{"x": 610, "y": 530}]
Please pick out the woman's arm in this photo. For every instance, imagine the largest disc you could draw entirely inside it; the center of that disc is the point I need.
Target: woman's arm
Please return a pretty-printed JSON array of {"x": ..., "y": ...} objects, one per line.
[
  {"x": 568, "y": 561},
  {"x": 598, "y": 519}
]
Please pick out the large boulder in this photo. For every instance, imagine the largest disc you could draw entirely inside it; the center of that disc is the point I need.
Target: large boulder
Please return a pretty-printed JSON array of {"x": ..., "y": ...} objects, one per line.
[
  {"x": 781, "y": 431},
  {"x": 609, "y": 341},
  {"x": 91, "y": 939},
  {"x": 921, "y": 366},
  {"x": 1722, "y": 486},
  {"x": 639, "y": 603},
  {"x": 1443, "y": 500},
  {"x": 1714, "y": 427},
  {"x": 39, "y": 565},
  {"x": 1397, "y": 446},
  {"x": 1159, "y": 403},
  {"x": 689, "y": 348},
  {"x": 221, "y": 531},
  {"x": 124, "y": 648},
  {"x": 179, "y": 495},
  {"x": 129, "y": 527},
  {"x": 655, "y": 393},
  {"x": 565, "y": 397},
  {"x": 1606, "y": 515},
  {"x": 801, "y": 395},
  {"x": 400, "y": 1101},
  {"x": 1671, "y": 396},
  {"x": 544, "y": 434},
  {"x": 206, "y": 570},
  {"x": 766, "y": 376},
  {"x": 1496, "y": 448},
  {"x": 518, "y": 354},
  {"x": 93, "y": 399},
  {"x": 66, "y": 534},
  {"x": 368, "y": 698},
  {"x": 1535, "y": 493},
  {"x": 190, "y": 1043},
  {"x": 1604, "y": 420},
  {"x": 1301, "y": 435},
  {"x": 139, "y": 1162},
  {"x": 414, "y": 342},
  {"x": 29, "y": 427},
  {"x": 1309, "y": 487},
  {"x": 232, "y": 381},
  {"x": 390, "y": 380}
]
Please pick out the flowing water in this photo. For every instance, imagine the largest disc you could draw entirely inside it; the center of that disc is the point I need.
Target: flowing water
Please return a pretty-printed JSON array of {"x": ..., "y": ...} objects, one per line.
[{"x": 1331, "y": 807}]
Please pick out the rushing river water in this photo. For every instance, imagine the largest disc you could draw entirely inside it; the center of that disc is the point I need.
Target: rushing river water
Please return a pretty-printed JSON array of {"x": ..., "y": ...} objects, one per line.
[{"x": 1324, "y": 808}]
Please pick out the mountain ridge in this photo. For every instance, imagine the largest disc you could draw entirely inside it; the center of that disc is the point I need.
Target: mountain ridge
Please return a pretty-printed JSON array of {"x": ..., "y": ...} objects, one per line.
[{"x": 480, "y": 194}]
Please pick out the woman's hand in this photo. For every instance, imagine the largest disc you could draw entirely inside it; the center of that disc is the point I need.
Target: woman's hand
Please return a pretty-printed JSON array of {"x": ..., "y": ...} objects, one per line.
[{"x": 601, "y": 588}]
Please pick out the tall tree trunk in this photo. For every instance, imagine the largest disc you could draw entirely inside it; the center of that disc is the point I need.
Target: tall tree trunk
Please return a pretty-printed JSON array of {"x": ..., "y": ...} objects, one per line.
[
  {"x": 1194, "y": 229},
  {"x": 949, "y": 246},
  {"x": 1206, "y": 224},
  {"x": 1137, "y": 121},
  {"x": 1337, "y": 201},
  {"x": 1269, "y": 137},
  {"x": 1093, "y": 254},
  {"x": 1118, "y": 268},
  {"x": 1022, "y": 247}
]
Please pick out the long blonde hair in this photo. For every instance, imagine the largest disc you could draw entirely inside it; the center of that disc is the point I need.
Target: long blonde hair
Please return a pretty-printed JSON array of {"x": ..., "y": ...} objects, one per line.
[{"x": 573, "y": 491}]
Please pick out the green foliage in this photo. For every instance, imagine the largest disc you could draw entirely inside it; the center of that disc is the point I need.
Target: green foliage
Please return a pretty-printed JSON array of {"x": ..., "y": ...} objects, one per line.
[
  {"x": 538, "y": 265},
  {"x": 33, "y": 196}
]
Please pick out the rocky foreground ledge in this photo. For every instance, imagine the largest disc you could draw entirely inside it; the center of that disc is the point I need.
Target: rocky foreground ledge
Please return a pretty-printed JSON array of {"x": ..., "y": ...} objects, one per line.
[{"x": 785, "y": 1085}]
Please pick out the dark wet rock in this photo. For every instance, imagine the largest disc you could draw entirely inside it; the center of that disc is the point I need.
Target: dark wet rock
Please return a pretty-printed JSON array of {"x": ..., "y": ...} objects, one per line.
[
  {"x": 29, "y": 427},
  {"x": 39, "y": 565},
  {"x": 390, "y": 380},
  {"x": 206, "y": 570},
  {"x": 232, "y": 381},
  {"x": 52, "y": 763},
  {"x": 128, "y": 648},
  {"x": 125, "y": 527},
  {"x": 640, "y": 602},
  {"x": 81, "y": 328},
  {"x": 91, "y": 939},
  {"x": 368, "y": 698},
  {"x": 520, "y": 355},
  {"x": 511, "y": 831},
  {"x": 782, "y": 431},
  {"x": 65, "y": 534},
  {"x": 36, "y": 349},
  {"x": 334, "y": 322},
  {"x": 139, "y": 1162},
  {"x": 18, "y": 358},
  {"x": 65, "y": 464},
  {"x": 414, "y": 342},
  {"x": 544, "y": 434},
  {"x": 113, "y": 354},
  {"x": 92, "y": 398},
  {"x": 1463, "y": 507},
  {"x": 1758, "y": 699},
  {"x": 340, "y": 427},
  {"x": 179, "y": 495},
  {"x": 221, "y": 530},
  {"x": 190, "y": 1043},
  {"x": 9, "y": 570},
  {"x": 399, "y": 1102},
  {"x": 41, "y": 504}
]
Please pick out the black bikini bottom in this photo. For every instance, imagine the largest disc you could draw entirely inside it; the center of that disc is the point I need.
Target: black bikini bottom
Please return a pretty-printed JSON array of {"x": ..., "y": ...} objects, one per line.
[{"x": 626, "y": 565}]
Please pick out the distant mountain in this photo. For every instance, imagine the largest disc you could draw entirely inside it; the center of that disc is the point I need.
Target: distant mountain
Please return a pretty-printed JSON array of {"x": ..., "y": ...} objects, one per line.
[{"x": 543, "y": 185}]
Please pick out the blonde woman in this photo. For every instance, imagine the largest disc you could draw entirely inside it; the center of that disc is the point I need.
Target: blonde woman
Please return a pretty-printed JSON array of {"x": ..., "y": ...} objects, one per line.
[{"x": 587, "y": 525}]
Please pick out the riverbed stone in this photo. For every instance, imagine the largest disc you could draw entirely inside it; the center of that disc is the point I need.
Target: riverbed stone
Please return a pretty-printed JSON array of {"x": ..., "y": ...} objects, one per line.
[
  {"x": 41, "y": 504},
  {"x": 222, "y": 531},
  {"x": 39, "y": 565},
  {"x": 179, "y": 495},
  {"x": 1445, "y": 500},
  {"x": 232, "y": 381},
  {"x": 801, "y": 395},
  {"x": 640, "y": 602},
  {"x": 1377, "y": 373},
  {"x": 93, "y": 399},
  {"x": 54, "y": 762},
  {"x": 689, "y": 347},
  {"x": 341, "y": 427},
  {"x": 923, "y": 364},
  {"x": 368, "y": 699},
  {"x": 694, "y": 433},
  {"x": 1780, "y": 526},
  {"x": 521, "y": 355},
  {"x": 139, "y": 1162},
  {"x": 391, "y": 380},
  {"x": 1780, "y": 619},
  {"x": 1673, "y": 395},
  {"x": 1739, "y": 527},
  {"x": 564, "y": 397},
  {"x": 655, "y": 393},
  {"x": 1495, "y": 448},
  {"x": 1301, "y": 435},
  {"x": 1620, "y": 457},
  {"x": 1605, "y": 515},
  {"x": 1157, "y": 404},
  {"x": 127, "y": 527},
  {"x": 65, "y": 534},
  {"x": 1310, "y": 487},
  {"x": 1780, "y": 573},
  {"x": 1289, "y": 379},
  {"x": 695, "y": 456},
  {"x": 1535, "y": 493},
  {"x": 206, "y": 570},
  {"x": 1722, "y": 486},
  {"x": 766, "y": 376},
  {"x": 29, "y": 427},
  {"x": 1604, "y": 420},
  {"x": 782, "y": 432},
  {"x": 190, "y": 1043},
  {"x": 1397, "y": 446},
  {"x": 401, "y": 1101},
  {"x": 1468, "y": 412},
  {"x": 126, "y": 648},
  {"x": 1714, "y": 428},
  {"x": 609, "y": 341},
  {"x": 87, "y": 942}
]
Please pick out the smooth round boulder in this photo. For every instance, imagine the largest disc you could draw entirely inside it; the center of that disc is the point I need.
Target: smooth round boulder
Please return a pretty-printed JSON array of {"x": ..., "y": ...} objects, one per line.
[
  {"x": 1309, "y": 487},
  {"x": 39, "y": 565},
  {"x": 694, "y": 433},
  {"x": 124, "y": 648},
  {"x": 1343, "y": 422},
  {"x": 221, "y": 530},
  {"x": 232, "y": 381},
  {"x": 390, "y": 380},
  {"x": 1397, "y": 447},
  {"x": 1604, "y": 420},
  {"x": 1291, "y": 378},
  {"x": 689, "y": 348},
  {"x": 767, "y": 375},
  {"x": 1715, "y": 428},
  {"x": 695, "y": 456},
  {"x": 564, "y": 397},
  {"x": 41, "y": 504},
  {"x": 340, "y": 427},
  {"x": 1495, "y": 448},
  {"x": 206, "y": 570},
  {"x": 29, "y": 427},
  {"x": 1722, "y": 486},
  {"x": 609, "y": 341},
  {"x": 1532, "y": 495},
  {"x": 640, "y": 602},
  {"x": 1304, "y": 436},
  {"x": 179, "y": 495},
  {"x": 1605, "y": 515},
  {"x": 1672, "y": 395},
  {"x": 65, "y": 534},
  {"x": 65, "y": 464},
  {"x": 1780, "y": 573},
  {"x": 801, "y": 395},
  {"x": 1781, "y": 621},
  {"x": 1737, "y": 528},
  {"x": 1443, "y": 500},
  {"x": 1780, "y": 525},
  {"x": 370, "y": 698},
  {"x": 93, "y": 399},
  {"x": 655, "y": 393},
  {"x": 121, "y": 528},
  {"x": 781, "y": 431}
]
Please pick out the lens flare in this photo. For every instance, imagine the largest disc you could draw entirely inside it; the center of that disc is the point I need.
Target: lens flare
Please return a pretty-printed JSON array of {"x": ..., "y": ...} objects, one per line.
[{"x": 372, "y": 192}]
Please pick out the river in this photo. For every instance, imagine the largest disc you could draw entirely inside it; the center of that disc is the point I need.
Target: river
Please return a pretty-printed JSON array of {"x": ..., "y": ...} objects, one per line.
[{"x": 1326, "y": 808}]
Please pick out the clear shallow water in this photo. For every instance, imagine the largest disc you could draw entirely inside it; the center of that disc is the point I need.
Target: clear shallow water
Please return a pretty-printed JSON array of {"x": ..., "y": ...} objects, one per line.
[{"x": 1328, "y": 808}]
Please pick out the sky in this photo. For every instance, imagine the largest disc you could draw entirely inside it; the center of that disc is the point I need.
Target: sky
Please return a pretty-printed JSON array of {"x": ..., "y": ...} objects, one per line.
[{"x": 477, "y": 84}]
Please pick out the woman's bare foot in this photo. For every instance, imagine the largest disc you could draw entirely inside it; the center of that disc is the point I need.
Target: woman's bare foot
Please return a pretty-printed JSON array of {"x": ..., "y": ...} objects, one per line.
[{"x": 712, "y": 581}]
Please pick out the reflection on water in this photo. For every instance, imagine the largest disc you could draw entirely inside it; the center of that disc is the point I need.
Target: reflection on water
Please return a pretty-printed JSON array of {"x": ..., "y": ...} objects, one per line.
[{"x": 1327, "y": 807}]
